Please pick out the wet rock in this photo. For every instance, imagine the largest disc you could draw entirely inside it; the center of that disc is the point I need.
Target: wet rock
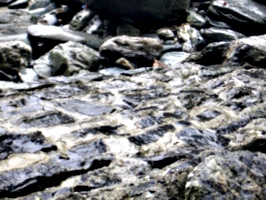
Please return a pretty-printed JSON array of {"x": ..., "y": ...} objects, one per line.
[
  {"x": 44, "y": 120},
  {"x": 140, "y": 51},
  {"x": 165, "y": 34},
  {"x": 208, "y": 115},
  {"x": 151, "y": 136},
  {"x": 44, "y": 38},
  {"x": 39, "y": 4},
  {"x": 190, "y": 38},
  {"x": 127, "y": 29},
  {"x": 5, "y": 2},
  {"x": 19, "y": 4},
  {"x": 19, "y": 143},
  {"x": 28, "y": 75},
  {"x": 85, "y": 108},
  {"x": 14, "y": 55},
  {"x": 248, "y": 51},
  {"x": 247, "y": 17},
  {"x": 143, "y": 13},
  {"x": 37, "y": 12},
  {"x": 172, "y": 58},
  {"x": 216, "y": 34},
  {"x": 229, "y": 175},
  {"x": 81, "y": 20},
  {"x": 67, "y": 59},
  {"x": 14, "y": 22},
  {"x": 195, "y": 19},
  {"x": 54, "y": 171}
]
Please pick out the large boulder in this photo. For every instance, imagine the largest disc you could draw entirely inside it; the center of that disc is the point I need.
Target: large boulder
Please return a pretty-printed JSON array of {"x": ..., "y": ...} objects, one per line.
[
  {"x": 141, "y": 11},
  {"x": 245, "y": 16}
]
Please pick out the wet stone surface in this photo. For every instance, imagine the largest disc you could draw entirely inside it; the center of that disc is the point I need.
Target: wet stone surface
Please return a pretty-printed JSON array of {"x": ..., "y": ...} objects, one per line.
[
  {"x": 172, "y": 112},
  {"x": 134, "y": 136}
]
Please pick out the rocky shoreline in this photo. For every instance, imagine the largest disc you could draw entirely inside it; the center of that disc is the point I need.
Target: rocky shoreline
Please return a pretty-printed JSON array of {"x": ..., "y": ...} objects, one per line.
[{"x": 95, "y": 105}]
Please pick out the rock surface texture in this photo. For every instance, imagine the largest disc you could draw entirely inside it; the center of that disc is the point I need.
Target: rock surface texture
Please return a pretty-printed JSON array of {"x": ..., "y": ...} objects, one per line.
[{"x": 96, "y": 103}]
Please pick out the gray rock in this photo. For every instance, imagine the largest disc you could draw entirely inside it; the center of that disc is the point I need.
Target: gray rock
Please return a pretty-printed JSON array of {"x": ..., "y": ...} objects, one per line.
[
  {"x": 13, "y": 22},
  {"x": 19, "y": 4},
  {"x": 195, "y": 19},
  {"x": 151, "y": 11},
  {"x": 28, "y": 75},
  {"x": 250, "y": 51},
  {"x": 217, "y": 34},
  {"x": 38, "y": 12},
  {"x": 238, "y": 175},
  {"x": 127, "y": 29},
  {"x": 245, "y": 16},
  {"x": 44, "y": 38},
  {"x": 140, "y": 51},
  {"x": 190, "y": 38},
  {"x": 14, "y": 54},
  {"x": 67, "y": 59},
  {"x": 81, "y": 20},
  {"x": 165, "y": 33},
  {"x": 39, "y": 4},
  {"x": 173, "y": 58}
]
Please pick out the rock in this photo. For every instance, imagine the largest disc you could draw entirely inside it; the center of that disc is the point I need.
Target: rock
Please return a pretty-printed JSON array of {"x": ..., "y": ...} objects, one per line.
[
  {"x": 38, "y": 12},
  {"x": 217, "y": 34},
  {"x": 127, "y": 29},
  {"x": 165, "y": 34},
  {"x": 195, "y": 19},
  {"x": 249, "y": 51},
  {"x": 229, "y": 175},
  {"x": 81, "y": 20},
  {"x": 44, "y": 38},
  {"x": 14, "y": 55},
  {"x": 143, "y": 13},
  {"x": 14, "y": 22},
  {"x": 173, "y": 58},
  {"x": 140, "y": 51},
  {"x": 29, "y": 143},
  {"x": 190, "y": 38},
  {"x": 39, "y": 4},
  {"x": 67, "y": 59},
  {"x": 19, "y": 4},
  {"x": 5, "y": 2},
  {"x": 28, "y": 75},
  {"x": 245, "y": 16}
]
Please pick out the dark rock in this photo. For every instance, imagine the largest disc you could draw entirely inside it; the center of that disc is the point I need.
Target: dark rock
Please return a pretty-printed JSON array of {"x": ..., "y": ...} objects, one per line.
[
  {"x": 39, "y": 4},
  {"x": 247, "y": 52},
  {"x": 5, "y": 2},
  {"x": 106, "y": 130},
  {"x": 151, "y": 136},
  {"x": 14, "y": 55},
  {"x": 51, "y": 173},
  {"x": 68, "y": 58},
  {"x": 143, "y": 13},
  {"x": 245, "y": 16},
  {"x": 208, "y": 115},
  {"x": 44, "y": 120},
  {"x": 138, "y": 50},
  {"x": 44, "y": 38},
  {"x": 229, "y": 175},
  {"x": 217, "y": 34},
  {"x": 201, "y": 139},
  {"x": 13, "y": 22},
  {"x": 20, "y": 143},
  {"x": 19, "y": 4},
  {"x": 81, "y": 20}
]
